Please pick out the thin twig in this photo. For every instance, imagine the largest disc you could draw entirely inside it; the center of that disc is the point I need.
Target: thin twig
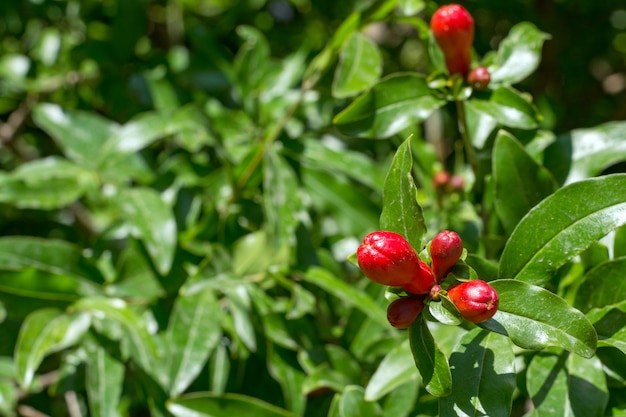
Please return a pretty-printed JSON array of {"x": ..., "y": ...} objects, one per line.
[
  {"x": 16, "y": 119},
  {"x": 73, "y": 407},
  {"x": 27, "y": 411}
]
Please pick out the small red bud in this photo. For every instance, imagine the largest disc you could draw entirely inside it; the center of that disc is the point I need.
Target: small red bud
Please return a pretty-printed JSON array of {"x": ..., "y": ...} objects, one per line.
[
  {"x": 387, "y": 258},
  {"x": 479, "y": 78},
  {"x": 401, "y": 313},
  {"x": 457, "y": 183},
  {"x": 435, "y": 292},
  {"x": 445, "y": 250},
  {"x": 441, "y": 180},
  {"x": 476, "y": 300},
  {"x": 453, "y": 29},
  {"x": 422, "y": 281}
]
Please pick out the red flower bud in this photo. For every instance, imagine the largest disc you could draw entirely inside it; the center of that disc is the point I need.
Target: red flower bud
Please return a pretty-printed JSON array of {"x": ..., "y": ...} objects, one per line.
[
  {"x": 422, "y": 281},
  {"x": 453, "y": 29},
  {"x": 441, "y": 180},
  {"x": 479, "y": 78},
  {"x": 445, "y": 250},
  {"x": 476, "y": 300},
  {"x": 401, "y": 313},
  {"x": 388, "y": 258}
]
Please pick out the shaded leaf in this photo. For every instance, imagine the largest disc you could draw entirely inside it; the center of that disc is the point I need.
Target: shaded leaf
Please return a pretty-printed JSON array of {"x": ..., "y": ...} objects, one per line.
[
  {"x": 431, "y": 363},
  {"x": 563, "y": 225},
  {"x": 401, "y": 212},
  {"x": 535, "y": 318},
  {"x": 204, "y": 404},
  {"x": 483, "y": 376},
  {"x": 610, "y": 324},
  {"x": 396, "y": 102},
  {"x": 104, "y": 377},
  {"x": 520, "y": 183},
  {"x": 396, "y": 368},
  {"x": 360, "y": 66},
  {"x": 602, "y": 286},
  {"x": 352, "y": 403}
]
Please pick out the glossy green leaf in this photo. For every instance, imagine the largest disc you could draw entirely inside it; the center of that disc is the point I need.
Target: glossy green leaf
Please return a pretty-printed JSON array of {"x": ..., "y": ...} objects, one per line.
[
  {"x": 396, "y": 102},
  {"x": 445, "y": 312},
  {"x": 47, "y": 183},
  {"x": 401, "y": 212},
  {"x": 352, "y": 403},
  {"x": 240, "y": 310},
  {"x": 610, "y": 324},
  {"x": 584, "y": 153},
  {"x": 205, "y": 404},
  {"x": 602, "y": 286},
  {"x": 483, "y": 376},
  {"x": 507, "y": 106},
  {"x": 563, "y": 225},
  {"x": 360, "y": 66},
  {"x": 104, "y": 378},
  {"x": 520, "y": 183},
  {"x": 480, "y": 125},
  {"x": 431, "y": 363},
  {"x": 411, "y": 7},
  {"x": 567, "y": 385},
  {"x": 281, "y": 200},
  {"x": 347, "y": 293},
  {"x": 142, "y": 347},
  {"x": 396, "y": 368},
  {"x": 80, "y": 134},
  {"x": 619, "y": 242},
  {"x": 192, "y": 335},
  {"x": 535, "y": 318},
  {"x": 153, "y": 222},
  {"x": 519, "y": 53},
  {"x": 402, "y": 400},
  {"x": 141, "y": 131},
  {"x": 43, "y": 332}
]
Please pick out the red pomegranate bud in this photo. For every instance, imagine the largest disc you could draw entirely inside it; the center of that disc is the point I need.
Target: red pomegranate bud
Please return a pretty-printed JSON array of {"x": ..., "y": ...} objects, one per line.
[
  {"x": 401, "y": 313},
  {"x": 457, "y": 183},
  {"x": 453, "y": 29},
  {"x": 387, "y": 258},
  {"x": 445, "y": 250},
  {"x": 476, "y": 300},
  {"x": 422, "y": 280},
  {"x": 441, "y": 180},
  {"x": 479, "y": 78}
]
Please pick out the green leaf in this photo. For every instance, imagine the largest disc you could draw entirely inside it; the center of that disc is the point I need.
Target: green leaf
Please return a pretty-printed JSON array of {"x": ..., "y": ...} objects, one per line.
[
  {"x": 411, "y": 7},
  {"x": 192, "y": 335},
  {"x": 602, "y": 286},
  {"x": 205, "y": 404},
  {"x": 619, "y": 243},
  {"x": 401, "y": 212},
  {"x": 396, "y": 102},
  {"x": 153, "y": 222},
  {"x": 360, "y": 66},
  {"x": 281, "y": 201},
  {"x": 104, "y": 378},
  {"x": 431, "y": 363},
  {"x": 520, "y": 183},
  {"x": 610, "y": 324},
  {"x": 47, "y": 183},
  {"x": 284, "y": 369},
  {"x": 395, "y": 369},
  {"x": 507, "y": 106},
  {"x": 567, "y": 385},
  {"x": 347, "y": 293},
  {"x": 483, "y": 376},
  {"x": 480, "y": 125},
  {"x": 43, "y": 332},
  {"x": 445, "y": 312},
  {"x": 142, "y": 347},
  {"x": 240, "y": 309},
  {"x": 352, "y": 403},
  {"x": 141, "y": 131},
  {"x": 519, "y": 54},
  {"x": 584, "y": 153},
  {"x": 401, "y": 401},
  {"x": 535, "y": 318},
  {"x": 81, "y": 135},
  {"x": 563, "y": 225}
]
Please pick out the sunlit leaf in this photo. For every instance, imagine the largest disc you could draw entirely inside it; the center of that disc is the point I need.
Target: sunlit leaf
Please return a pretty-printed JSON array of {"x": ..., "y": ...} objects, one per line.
[{"x": 360, "y": 65}]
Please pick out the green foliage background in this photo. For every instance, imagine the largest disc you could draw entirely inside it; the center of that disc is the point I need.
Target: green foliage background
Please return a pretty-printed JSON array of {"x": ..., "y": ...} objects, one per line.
[{"x": 182, "y": 182}]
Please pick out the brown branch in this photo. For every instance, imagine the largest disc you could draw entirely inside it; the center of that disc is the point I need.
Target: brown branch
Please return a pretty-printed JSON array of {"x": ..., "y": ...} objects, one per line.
[
  {"x": 16, "y": 119},
  {"x": 27, "y": 411}
]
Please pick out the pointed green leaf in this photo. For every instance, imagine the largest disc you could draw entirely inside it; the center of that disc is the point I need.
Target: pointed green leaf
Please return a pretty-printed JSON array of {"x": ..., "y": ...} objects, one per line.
[
  {"x": 283, "y": 367},
  {"x": 104, "y": 378},
  {"x": 507, "y": 106},
  {"x": 46, "y": 184},
  {"x": 43, "y": 332},
  {"x": 431, "y": 363},
  {"x": 240, "y": 310},
  {"x": 602, "y": 286},
  {"x": 347, "y": 293},
  {"x": 401, "y": 211},
  {"x": 360, "y": 66},
  {"x": 480, "y": 125},
  {"x": 483, "y": 376},
  {"x": 396, "y": 102},
  {"x": 80, "y": 134},
  {"x": 353, "y": 404},
  {"x": 519, "y": 53},
  {"x": 192, "y": 335},
  {"x": 584, "y": 153},
  {"x": 520, "y": 183},
  {"x": 395, "y": 369},
  {"x": 563, "y": 225},
  {"x": 205, "y": 404},
  {"x": 153, "y": 222},
  {"x": 535, "y": 318},
  {"x": 610, "y": 324}
]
